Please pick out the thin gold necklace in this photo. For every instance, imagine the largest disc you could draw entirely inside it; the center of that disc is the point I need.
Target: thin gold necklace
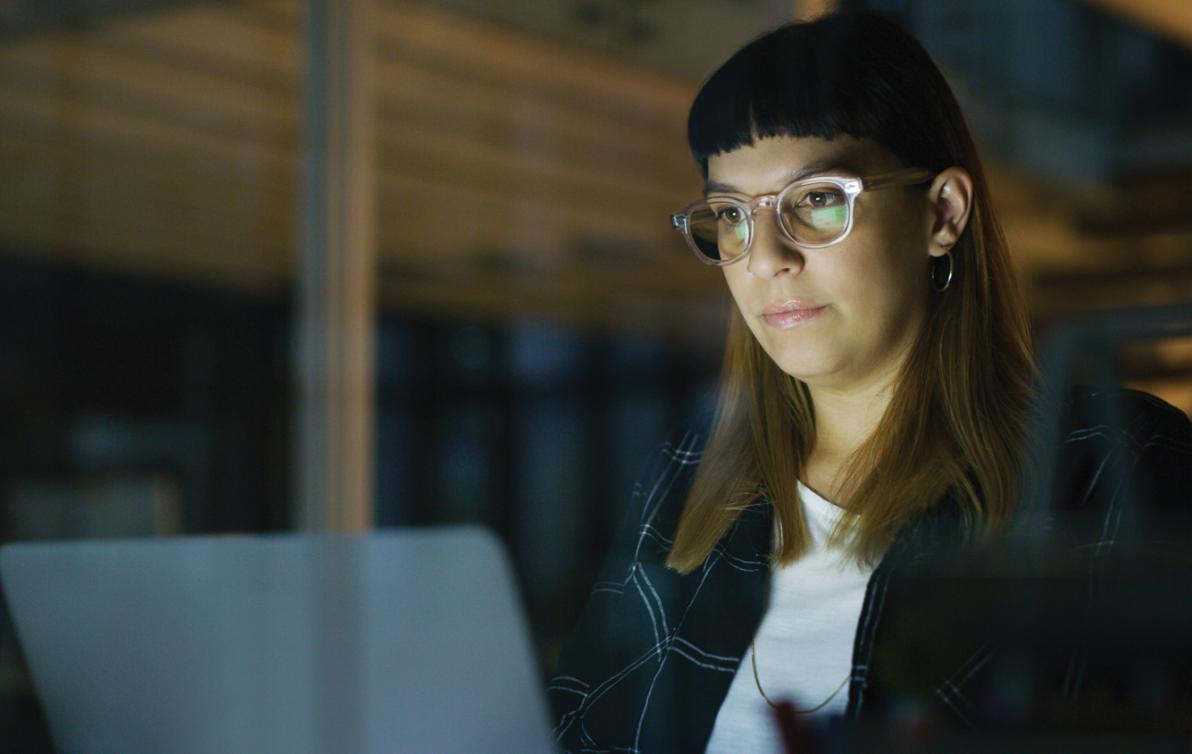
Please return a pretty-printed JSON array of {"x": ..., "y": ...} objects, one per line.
[{"x": 760, "y": 690}]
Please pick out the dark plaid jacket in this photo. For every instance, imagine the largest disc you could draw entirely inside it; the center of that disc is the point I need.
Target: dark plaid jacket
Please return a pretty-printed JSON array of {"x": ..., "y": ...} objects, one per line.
[{"x": 943, "y": 639}]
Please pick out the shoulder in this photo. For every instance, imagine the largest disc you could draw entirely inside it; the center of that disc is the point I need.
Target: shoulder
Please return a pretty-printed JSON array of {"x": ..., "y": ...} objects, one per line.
[
  {"x": 652, "y": 655},
  {"x": 661, "y": 489},
  {"x": 1130, "y": 415},
  {"x": 683, "y": 447},
  {"x": 1123, "y": 443},
  {"x": 1129, "y": 423}
]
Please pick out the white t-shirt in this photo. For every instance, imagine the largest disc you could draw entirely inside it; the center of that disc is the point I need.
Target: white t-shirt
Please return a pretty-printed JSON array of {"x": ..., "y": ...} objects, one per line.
[{"x": 804, "y": 644}]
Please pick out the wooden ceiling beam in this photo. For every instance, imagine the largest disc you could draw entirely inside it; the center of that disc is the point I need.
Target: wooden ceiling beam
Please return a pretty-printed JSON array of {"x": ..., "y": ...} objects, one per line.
[
  {"x": 246, "y": 184},
  {"x": 75, "y": 118},
  {"x": 248, "y": 194},
  {"x": 524, "y": 121},
  {"x": 264, "y": 36},
  {"x": 100, "y": 185},
  {"x": 67, "y": 64},
  {"x": 500, "y": 52},
  {"x": 633, "y": 200},
  {"x": 109, "y": 243},
  {"x": 448, "y": 91},
  {"x": 168, "y": 196},
  {"x": 672, "y": 278},
  {"x": 100, "y": 77},
  {"x": 216, "y": 38},
  {"x": 458, "y": 215},
  {"x": 88, "y": 103},
  {"x": 696, "y": 321},
  {"x": 65, "y": 208}
]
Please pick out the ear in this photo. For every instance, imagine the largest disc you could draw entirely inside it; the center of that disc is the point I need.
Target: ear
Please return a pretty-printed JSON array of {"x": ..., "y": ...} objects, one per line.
[{"x": 951, "y": 199}]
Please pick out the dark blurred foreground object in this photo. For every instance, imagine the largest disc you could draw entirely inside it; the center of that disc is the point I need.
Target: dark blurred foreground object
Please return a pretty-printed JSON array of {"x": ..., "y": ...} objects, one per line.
[
  {"x": 1080, "y": 640},
  {"x": 1074, "y": 631},
  {"x": 1085, "y": 649}
]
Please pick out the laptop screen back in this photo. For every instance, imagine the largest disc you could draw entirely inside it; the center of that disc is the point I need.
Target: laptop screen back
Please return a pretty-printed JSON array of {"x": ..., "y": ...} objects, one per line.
[{"x": 403, "y": 641}]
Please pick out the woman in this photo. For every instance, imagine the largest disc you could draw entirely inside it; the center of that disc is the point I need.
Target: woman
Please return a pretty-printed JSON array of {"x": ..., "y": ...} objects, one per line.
[{"x": 873, "y": 416}]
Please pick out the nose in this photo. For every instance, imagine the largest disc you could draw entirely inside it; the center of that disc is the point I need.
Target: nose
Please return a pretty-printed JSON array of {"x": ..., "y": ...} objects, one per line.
[{"x": 771, "y": 253}]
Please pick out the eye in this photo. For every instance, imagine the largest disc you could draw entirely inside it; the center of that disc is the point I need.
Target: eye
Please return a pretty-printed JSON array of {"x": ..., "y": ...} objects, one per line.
[
  {"x": 821, "y": 197},
  {"x": 730, "y": 214}
]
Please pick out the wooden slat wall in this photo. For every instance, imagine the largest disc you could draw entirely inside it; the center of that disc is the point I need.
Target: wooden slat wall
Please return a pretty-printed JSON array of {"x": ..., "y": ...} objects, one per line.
[
  {"x": 518, "y": 175},
  {"x": 116, "y": 156},
  {"x": 167, "y": 143}
]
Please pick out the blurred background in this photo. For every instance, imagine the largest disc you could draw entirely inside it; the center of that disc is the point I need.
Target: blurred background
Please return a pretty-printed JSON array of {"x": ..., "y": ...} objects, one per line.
[{"x": 270, "y": 265}]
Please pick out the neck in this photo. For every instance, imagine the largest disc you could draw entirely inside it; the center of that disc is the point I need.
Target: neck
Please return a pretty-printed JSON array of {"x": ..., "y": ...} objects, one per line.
[{"x": 844, "y": 419}]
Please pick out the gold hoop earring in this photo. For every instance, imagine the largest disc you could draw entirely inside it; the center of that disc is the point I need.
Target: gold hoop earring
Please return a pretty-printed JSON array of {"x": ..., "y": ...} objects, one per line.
[{"x": 935, "y": 275}]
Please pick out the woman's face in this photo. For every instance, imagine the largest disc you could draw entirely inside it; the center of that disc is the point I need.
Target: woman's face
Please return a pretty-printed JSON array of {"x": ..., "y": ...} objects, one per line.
[{"x": 841, "y": 317}]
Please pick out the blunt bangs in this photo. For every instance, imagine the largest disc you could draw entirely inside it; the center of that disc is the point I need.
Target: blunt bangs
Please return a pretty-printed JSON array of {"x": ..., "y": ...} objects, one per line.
[{"x": 853, "y": 73}]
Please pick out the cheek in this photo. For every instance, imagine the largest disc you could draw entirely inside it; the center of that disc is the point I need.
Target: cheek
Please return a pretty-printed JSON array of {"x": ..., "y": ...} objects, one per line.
[
  {"x": 736, "y": 287},
  {"x": 880, "y": 275},
  {"x": 889, "y": 303}
]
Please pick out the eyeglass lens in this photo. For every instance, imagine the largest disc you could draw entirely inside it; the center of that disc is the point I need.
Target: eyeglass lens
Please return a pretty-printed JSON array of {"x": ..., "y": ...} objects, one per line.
[{"x": 721, "y": 228}]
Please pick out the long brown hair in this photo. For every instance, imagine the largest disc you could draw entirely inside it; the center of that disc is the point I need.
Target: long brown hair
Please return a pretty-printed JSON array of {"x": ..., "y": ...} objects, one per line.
[{"x": 955, "y": 427}]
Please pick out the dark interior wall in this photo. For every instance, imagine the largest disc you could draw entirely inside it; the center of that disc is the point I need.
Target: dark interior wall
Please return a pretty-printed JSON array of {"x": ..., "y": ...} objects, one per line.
[
  {"x": 534, "y": 429},
  {"x": 104, "y": 374}
]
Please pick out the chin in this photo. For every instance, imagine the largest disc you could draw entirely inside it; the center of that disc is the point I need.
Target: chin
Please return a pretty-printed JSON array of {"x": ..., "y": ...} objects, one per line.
[
  {"x": 802, "y": 365},
  {"x": 805, "y": 356},
  {"x": 809, "y": 376}
]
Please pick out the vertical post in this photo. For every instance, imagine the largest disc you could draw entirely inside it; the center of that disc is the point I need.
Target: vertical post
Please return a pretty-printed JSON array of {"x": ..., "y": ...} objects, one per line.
[{"x": 336, "y": 310}]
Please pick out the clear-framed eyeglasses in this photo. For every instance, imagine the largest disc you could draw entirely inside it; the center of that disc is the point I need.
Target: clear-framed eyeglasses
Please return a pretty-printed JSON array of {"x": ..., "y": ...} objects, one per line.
[{"x": 812, "y": 213}]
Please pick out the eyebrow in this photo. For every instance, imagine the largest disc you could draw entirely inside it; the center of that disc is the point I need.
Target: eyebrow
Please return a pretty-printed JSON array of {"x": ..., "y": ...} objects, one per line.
[{"x": 831, "y": 165}]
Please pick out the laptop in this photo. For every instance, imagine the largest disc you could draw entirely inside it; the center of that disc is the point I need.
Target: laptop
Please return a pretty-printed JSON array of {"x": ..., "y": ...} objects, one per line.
[{"x": 407, "y": 640}]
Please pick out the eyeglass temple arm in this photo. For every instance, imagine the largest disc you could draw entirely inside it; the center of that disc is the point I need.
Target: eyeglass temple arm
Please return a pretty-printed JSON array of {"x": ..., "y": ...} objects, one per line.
[{"x": 901, "y": 177}]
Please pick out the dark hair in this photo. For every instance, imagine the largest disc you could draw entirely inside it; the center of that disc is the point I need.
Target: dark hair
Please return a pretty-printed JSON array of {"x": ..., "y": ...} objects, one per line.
[
  {"x": 856, "y": 73},
  {"x": 956, "y": 423}
]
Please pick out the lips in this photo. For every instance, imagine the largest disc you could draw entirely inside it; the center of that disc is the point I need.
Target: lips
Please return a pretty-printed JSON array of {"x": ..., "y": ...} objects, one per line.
[{"x": 791, "y": 313}]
